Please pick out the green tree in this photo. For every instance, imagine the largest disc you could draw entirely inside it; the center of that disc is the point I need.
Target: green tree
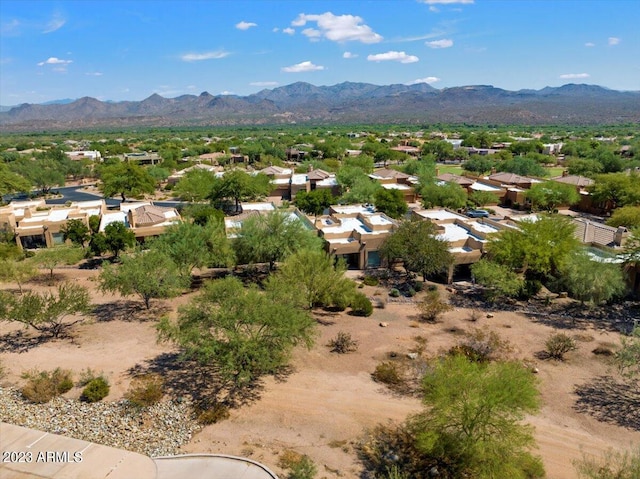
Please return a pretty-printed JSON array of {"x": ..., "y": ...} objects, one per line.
[
  {"x": 416, "y": 244},
  {"x": 524, "y": 166},
  {"x": 11, "y": 182},
  {"x": 628, "y": 216},
  {"x": 241, "y": 331},
  {"x": 76, "y": 231},
  {"x": 271, "y": 238},
  {"x": 472, "y": 423},
  {"x": 390, "y": 202},
  {"x": 43, "y": 173},
  {"x": 149, "y": 274},
  {"x": 314, "y": 202},
  {"x": 50, "y": 258},
  {"x": 45, "y": 312},
  {"x": 362, "y": 191},
  {"x": 619, "y": 189},
  {"x": 482, "y": 198},
  {"x": 195, "y": 185},
  {"x": 584, "y": 167},
  {"x": 448, "y": 195},
  {"x": 16, "y": 271},
  {"x": 549, "y": 195},
  {"x": 126, "y": 179},
  {"x": 499, "y": 280},
  {"x": 311, "y": 277},
  {"x": 592, "y": 281},
  {"x": 117, "y": 237},
  {"x": 240, "y": 186},
  {"x": 190, "y": 246},
  {"x": 479, "y": 164},
  {"x": 539, "y": 247}
]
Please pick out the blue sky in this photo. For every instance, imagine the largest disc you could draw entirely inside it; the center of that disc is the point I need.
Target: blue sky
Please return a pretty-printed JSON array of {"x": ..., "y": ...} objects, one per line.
[{"x": 127, "y": 50}]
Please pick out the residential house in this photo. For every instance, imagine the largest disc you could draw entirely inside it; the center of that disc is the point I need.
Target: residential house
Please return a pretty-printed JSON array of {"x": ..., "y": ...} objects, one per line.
[
  {"x": 145, "y": 219},
  {"x": 397, "y": 180}
]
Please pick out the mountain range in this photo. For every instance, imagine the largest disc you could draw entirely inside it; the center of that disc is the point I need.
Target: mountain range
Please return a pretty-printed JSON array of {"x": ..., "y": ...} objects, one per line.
[{"x": 575, "y": 104}]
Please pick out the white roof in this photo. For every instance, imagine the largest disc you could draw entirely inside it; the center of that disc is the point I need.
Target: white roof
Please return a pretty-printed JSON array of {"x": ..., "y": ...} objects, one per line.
[
  {"x": 113, "y": 217},
  {"x": 440, "y": 214},
  {"x": 350, "y": 209},
  {"x": 379, "y": 219},
  {"x": 126, "y": 207},
  {"x": 299, "y": 179},
  {"x": 263, "y": 206},
  {"x": 331, "y": 181},
  {"x": 483, "y": 187},
  {"x": 484, "y": 228},
  {"x": 395, "y": 186}
]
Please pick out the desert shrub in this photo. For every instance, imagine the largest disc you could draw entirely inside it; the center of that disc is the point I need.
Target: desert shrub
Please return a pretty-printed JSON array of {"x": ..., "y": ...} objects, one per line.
[
  {"x": 614, "y": 465},
  {"x": 431, "y": 307},
  {"x": 216, "y": 413},
  {"x": 418, "y": 286},
  {"x": 432, "y": 287},
  {"x": 145, "y": 390},
  {"x": 361, "y": 305},
  {"x": 394, "y": 293},
  {"x": 42, "y": 386},
  {"x": 86, "y": 376},
  {"x": 390, "y": 374},
  {"x": 300, "y": 466},
  {"x": 530, "y": 288},
  {"x": 342, "y": 301},
  {"x": 558, "y": 345},
  {"x": 371, "y": 281},
  {"x": 411, "y": 292},
  {"x": 343, "y": 343},
  {"x": 481, "y": 345},
  {"x": 95, "y": 390}
]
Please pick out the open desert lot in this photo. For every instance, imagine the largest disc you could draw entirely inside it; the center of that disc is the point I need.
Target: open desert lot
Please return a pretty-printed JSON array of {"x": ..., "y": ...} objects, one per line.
[{"x": 325, "y": 401}]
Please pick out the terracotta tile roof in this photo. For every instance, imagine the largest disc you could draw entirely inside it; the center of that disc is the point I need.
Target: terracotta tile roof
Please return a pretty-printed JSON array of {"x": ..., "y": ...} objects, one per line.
[
  {"x": 389, "y": 173},
  {"x": 580, "y": 181},
  {"x": 461, "y": 180},
  {"x": 509, "y": 178},
  {"x": 318, "y": 175},
  {"x": 150, "y": 215}
]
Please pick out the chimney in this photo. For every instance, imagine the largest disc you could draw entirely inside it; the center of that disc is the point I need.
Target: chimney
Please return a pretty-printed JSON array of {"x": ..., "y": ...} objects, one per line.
[
  {"x": 564, "y": 173},
  {"x": 493, "y": 170},
  {"x": 310, "y": 167},
  {"x": 437, "y": 171}
]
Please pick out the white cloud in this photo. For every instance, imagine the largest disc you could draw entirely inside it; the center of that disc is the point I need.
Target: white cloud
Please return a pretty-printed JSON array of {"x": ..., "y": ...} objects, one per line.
[
  {"x": 401, "y": 57},
  {"x": 349, "y": 55},
  {"x": 447, "y": 2},
  {"x": 245, "y": 25},
  {"x": 302, "y": 67},
  {"x": 573, "y": 76},
  {"x": 312, "y": 34},
  {"x": 338, "y": 28},
  {"x": 444, "y": 43},
  {"x": 613, "y": 41},
  {"x": 428, "y": 80},
  {"x": 433, "y": 9},
  {"x": 94, "y": 74},
  {"x": 196, "y": 57},
  {"x": 264, "y": 83},
  {"x": 227, "y": 92},
  {"x": 56, "y": 23},
  {"x": 589, "y": 44},
  {"x": 288, "y": 31},
  {"x": 54, "y": 61}
]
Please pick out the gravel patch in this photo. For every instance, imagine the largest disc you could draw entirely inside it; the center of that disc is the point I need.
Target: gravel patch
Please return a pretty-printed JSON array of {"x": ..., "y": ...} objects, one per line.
[{"x": 159, "y": 430}]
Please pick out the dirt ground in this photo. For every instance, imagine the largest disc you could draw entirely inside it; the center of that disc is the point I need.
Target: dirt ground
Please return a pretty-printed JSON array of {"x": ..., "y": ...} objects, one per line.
[{"x": 327, "y": 400}]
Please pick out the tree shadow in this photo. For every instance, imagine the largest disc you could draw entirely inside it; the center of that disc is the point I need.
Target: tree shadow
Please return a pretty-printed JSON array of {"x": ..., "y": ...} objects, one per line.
[
  {"x": 200, "y": 383},
  {"x": 610, "y": 401},
  {"x": 21, "y": 341},
  {"x": 128, "y": 311}
]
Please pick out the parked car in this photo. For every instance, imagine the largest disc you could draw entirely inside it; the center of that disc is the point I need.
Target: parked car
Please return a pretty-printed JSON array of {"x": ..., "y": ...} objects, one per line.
[{"x": 477, "y": 213}]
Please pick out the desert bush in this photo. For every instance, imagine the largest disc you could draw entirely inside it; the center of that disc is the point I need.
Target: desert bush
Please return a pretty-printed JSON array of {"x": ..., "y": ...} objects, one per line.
[
  {"x": 343, "y": 343},
  {"x": 411, "y": 292},
  {"x": 145, "y": 390},
  {"x": 371, "y": 280},
  {"x": 43, "y": 386},
  {"x": 394, "y": 293},
  {"x": 390, "y": 374},
  {"x": 558, "y": 345},
  {"x": 86, "y": 376},
  {"x": 418, "y": 286},
  {"x": 481, "y": 345},
  {"x": 431, "y": 307},
  {"x": 361, "y": 305},
  {"x": 300, "y": 466},
  {"x": 614, "y": 465},
  {"x": 216, "y": 413},
  {"x": 432, "y": 287},
  {"x": 95, "y": 390}
]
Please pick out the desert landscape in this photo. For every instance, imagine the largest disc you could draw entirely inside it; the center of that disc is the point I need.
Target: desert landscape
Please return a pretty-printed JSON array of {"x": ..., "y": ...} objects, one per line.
[{"x": 324, "y": 402}]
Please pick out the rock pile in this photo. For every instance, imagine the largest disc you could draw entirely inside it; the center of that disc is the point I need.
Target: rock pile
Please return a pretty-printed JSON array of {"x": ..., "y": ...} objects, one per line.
[{"x": 159, "y": 430}]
